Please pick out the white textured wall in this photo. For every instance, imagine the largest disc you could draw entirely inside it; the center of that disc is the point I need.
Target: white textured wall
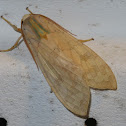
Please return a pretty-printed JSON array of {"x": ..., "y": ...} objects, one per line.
[{"x": 25, "y": 98}]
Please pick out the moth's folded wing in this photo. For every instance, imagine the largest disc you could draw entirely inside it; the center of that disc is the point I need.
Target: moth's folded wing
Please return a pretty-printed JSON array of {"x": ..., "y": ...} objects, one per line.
[
  {"x": 42, "y": 30},
  {"x": 73, "y": 94},
  {"x": 96, "y": 73},
  {"x": 59, "y": 71},
  {"x": 69, "y": 88},
  {"x": 94, "y": 70}
]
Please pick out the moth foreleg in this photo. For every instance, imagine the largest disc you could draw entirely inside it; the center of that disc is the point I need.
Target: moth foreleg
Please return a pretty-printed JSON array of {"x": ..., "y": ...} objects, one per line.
[
  {"x": 86, "y": 40},
  {"x": 51, "y": 91},
  {"x": 18, "y": 42},
  {"x": 13, "y": 26}
]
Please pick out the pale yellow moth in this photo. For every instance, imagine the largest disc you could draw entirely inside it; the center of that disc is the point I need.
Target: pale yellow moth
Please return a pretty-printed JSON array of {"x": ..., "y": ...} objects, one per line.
[{"x": 70, "y": 67}]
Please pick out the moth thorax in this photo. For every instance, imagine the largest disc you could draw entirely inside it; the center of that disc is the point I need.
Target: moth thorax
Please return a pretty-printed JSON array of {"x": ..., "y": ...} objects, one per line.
[{"x": 25, "y": 16}]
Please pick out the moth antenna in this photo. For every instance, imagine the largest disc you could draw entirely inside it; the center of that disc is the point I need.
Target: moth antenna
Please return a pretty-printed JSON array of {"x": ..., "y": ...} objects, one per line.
[
  {"x": 13, "y": 26},
  {"x": 6, "y": 20},
  {"x": 28, "y": 10}
]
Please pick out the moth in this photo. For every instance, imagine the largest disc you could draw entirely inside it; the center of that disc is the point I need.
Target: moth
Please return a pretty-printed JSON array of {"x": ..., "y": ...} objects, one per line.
[{"x": 70, "y": 67}]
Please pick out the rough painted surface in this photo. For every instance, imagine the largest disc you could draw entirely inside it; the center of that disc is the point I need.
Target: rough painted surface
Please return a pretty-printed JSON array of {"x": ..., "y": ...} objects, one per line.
[{"x": 25, "y": 97}]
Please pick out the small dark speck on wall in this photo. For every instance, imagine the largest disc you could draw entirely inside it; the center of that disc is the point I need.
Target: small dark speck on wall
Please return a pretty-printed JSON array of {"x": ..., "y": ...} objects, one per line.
[{"x": 3, "y": 122}]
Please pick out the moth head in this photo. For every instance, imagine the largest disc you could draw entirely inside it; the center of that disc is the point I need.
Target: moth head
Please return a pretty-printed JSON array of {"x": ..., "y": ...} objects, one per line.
[{"x": 25, "y": 17}]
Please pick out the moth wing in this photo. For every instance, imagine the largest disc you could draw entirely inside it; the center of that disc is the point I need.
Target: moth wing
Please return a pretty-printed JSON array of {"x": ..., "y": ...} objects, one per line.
[
  {"x": 59, "y": 71},
  {"x": 96, "y": 73},
  {"x": 94, "y": 70},
  {"x": 69, "y": 89}
]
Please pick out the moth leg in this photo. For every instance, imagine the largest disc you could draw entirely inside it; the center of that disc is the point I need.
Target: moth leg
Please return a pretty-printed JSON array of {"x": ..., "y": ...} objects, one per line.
[
  {"x": 28, "y": 10},
  {"x": 13, "y": 26},
  {"x": 51, "y": 90},
  {"x": 18, "y": 42},
  {"x": 86, "y": 40}
]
